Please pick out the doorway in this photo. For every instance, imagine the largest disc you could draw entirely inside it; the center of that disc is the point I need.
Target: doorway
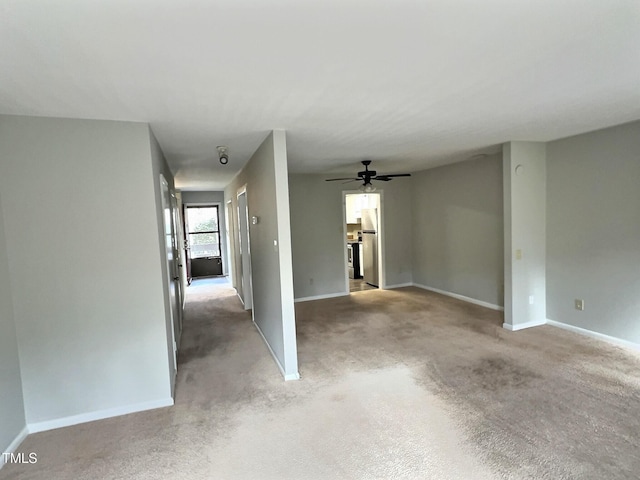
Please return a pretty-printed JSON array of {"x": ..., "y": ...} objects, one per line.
[
  {"x": 202, "y": 225},
  {"x": 171, "y": 257},
  {"x": 245, "y": 290},
  {"x": 230, "y": 235},
  {"x": 363, "y": 236}
]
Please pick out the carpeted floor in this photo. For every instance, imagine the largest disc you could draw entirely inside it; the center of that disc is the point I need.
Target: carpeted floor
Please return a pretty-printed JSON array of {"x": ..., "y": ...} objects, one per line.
[{"x": 401, "y": 384}]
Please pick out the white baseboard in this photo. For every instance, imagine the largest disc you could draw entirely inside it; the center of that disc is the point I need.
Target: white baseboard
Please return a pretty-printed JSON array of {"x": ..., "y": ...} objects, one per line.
[
  {"x": 460, "y": 297},
  {"x": 522, "y": 326},
  {"x": 320, "y": 297},
  {"x": 99, "y": 415},
  {"x": 596, "y": 335},
  {"x": 398, "y": 285},
  {"x": 287, "y": 376},
  {"x": 240, "y": 298},
  {"x": 13, "y": 446}
]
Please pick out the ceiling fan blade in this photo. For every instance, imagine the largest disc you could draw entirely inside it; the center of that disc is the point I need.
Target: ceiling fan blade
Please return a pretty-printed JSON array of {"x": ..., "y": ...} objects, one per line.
[{"x": 367, "y": 175}]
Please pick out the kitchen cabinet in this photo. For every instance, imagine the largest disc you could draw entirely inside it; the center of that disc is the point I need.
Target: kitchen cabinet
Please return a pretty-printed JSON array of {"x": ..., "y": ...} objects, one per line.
[
  {"x": 353, "y": 208},
  {"x": 356, "y": 203}
]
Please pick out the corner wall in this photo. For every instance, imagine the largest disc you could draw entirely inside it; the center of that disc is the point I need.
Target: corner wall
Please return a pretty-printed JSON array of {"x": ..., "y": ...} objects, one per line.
[
  {"x": 86, "y": 281},
  {"x": 458, "y": 229},
  {"x": 265, "y": 176},
  {"x": 524, "y": 172},
  {"x": 12, "y": 418},
  {"x": 593, "y": 231}
]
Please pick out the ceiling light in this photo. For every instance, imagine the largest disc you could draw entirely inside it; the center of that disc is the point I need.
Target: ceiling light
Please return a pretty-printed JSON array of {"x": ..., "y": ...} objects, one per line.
[
  {"x": 223, "y": 154},
  {"x": 367, "y": 188}
]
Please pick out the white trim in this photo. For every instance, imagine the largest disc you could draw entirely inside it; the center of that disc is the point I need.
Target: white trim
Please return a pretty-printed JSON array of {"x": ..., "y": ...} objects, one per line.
[
  {"x": 382, "y": 272},
  {"x": 98, "y": 415},
  {"x": 382, "y": 242},
  {"x": 398, "y": 285},
  {"x": 219, "y": 205},
  {"x": 13, "y": 446},
  {"x": 460, "y": 297},
  {"x": 247, "y": 295},
  {"x": 596, "y": 335},
  {"x": 522, "y": 326},
  {"x": 321, "y": 297},
  {"x": 287, "y": 377}
]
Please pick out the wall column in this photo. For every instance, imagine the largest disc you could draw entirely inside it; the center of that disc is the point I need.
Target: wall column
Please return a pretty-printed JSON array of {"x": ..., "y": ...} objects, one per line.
[{"x": 524, "y": 177}]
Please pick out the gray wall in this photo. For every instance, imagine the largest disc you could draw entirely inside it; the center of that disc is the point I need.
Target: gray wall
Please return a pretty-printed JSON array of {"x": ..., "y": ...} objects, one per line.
[
  {"x": 317, "y": 232},
  {"x": 86, "y": 277},
  {"x": 213, "y": 197},
  {"x": 12, "y": 419},
  {"x": 457, "y": 229},
  {"x": 593, "y": 231},
  {"x": 317, "y": 236},
  {"x": 265, "y": 176}
]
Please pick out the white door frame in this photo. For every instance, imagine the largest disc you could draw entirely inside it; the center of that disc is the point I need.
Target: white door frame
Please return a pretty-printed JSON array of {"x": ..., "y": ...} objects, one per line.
[
  {"x": 177, "y": 237},
  {"x": 245, "y": 249},
  {"x": 229, "y": 235},
  {"x": 382, "y": 274},
  {"x": 224, "y": 254},
  {"x": 165, "y": 195}
]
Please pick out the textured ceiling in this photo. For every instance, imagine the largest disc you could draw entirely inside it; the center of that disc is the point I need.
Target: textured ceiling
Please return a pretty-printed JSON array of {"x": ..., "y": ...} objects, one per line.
[{"x": 409, "y": 84}]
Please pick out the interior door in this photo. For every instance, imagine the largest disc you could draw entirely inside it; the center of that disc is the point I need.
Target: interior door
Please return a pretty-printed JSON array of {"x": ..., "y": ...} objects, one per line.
[{"x": 172, "y": 277}]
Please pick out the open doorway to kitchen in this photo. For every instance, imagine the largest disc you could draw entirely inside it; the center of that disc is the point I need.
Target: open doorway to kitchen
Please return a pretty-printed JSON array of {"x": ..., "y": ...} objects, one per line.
[{"x": 363, "y": 241}]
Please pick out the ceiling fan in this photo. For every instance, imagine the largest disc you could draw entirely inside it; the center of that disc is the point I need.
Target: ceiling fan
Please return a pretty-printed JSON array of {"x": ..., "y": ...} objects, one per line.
[{"x": 367, "y": 175}]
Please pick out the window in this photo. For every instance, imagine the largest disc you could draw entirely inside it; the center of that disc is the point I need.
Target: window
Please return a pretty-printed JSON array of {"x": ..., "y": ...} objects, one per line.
[{"x": 203, "y": 231}]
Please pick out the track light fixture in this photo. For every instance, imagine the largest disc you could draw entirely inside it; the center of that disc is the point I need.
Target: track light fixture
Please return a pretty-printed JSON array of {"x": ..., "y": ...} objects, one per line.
[{"x": 223, "y": 154}]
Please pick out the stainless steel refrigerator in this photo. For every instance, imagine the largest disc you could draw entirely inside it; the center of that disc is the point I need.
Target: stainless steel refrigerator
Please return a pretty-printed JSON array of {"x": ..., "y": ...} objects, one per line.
[{"x": 370, "y": 245}]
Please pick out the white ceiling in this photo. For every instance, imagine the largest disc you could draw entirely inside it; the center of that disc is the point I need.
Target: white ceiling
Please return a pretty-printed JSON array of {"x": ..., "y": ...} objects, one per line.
[{"x": 409, "y": 84}]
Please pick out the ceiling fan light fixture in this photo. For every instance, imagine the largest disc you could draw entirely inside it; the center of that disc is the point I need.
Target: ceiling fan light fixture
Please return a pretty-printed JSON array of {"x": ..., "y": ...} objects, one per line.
[{"x": 367, "y": 188}]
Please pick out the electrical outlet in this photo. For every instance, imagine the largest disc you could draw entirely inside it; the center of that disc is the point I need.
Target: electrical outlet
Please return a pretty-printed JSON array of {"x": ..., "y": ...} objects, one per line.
[
  {"x": 530, "y": 299},
  {"x": 579, "y": 304},
  {"x": 518, "y": 254}
]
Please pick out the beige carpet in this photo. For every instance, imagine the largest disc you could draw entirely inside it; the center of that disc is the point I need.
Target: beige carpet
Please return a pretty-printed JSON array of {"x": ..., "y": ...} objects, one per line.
[{"x": 395, "y": 384}]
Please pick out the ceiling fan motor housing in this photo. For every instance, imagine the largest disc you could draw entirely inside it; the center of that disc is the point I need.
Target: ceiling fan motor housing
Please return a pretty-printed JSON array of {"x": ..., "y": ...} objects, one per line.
[{"x": 366, "y": 173}]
